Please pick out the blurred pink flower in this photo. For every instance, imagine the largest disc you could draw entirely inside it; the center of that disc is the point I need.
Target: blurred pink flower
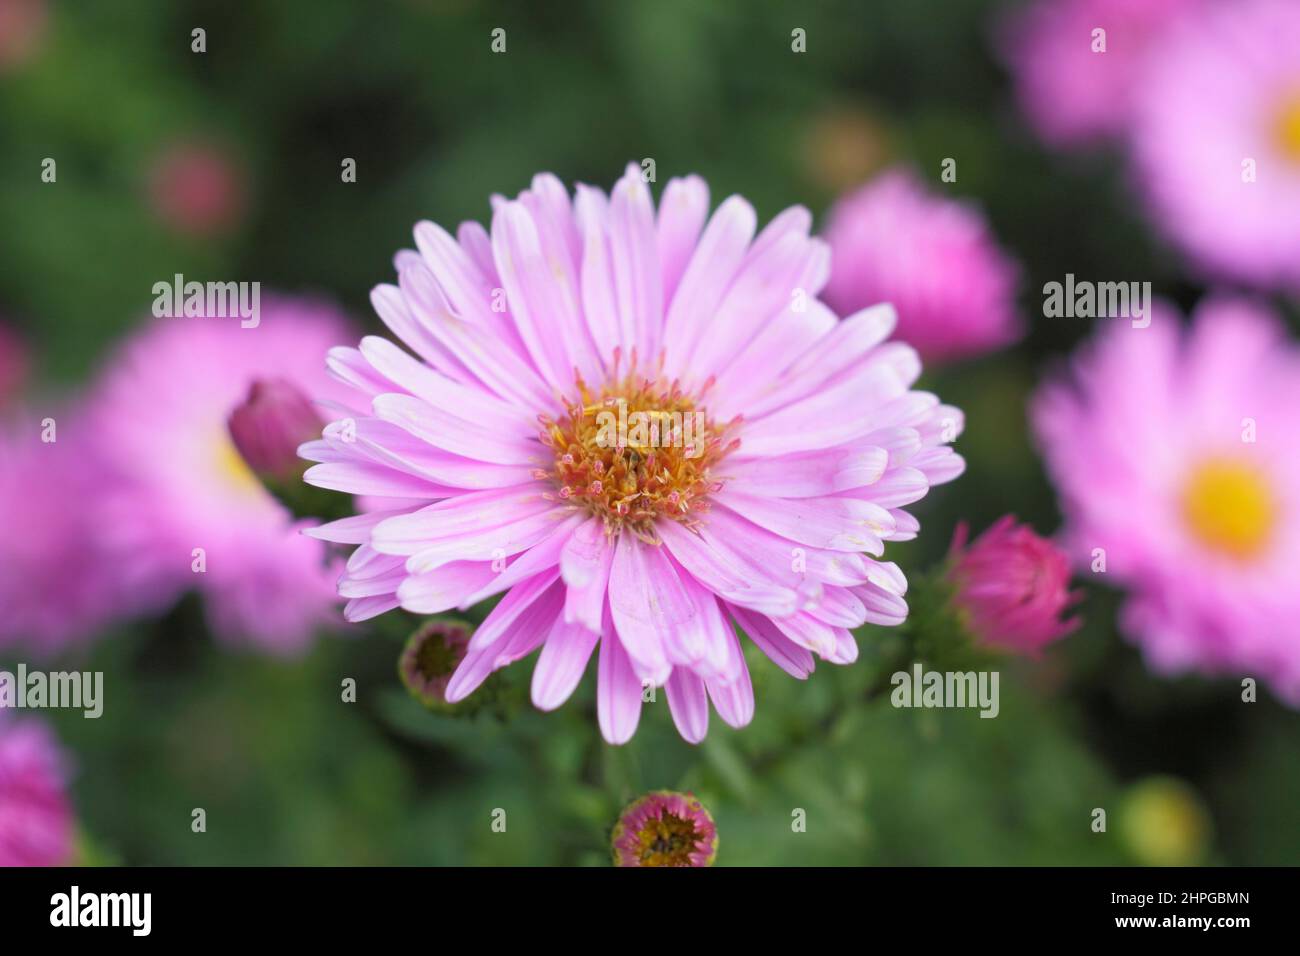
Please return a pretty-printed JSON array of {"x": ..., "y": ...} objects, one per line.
[
  {"x": 23, "y": 25},
  {"x": 934, "y": 259},
  {"x": 57, "y": 584},
  {"x": 1072, "y": 94},
  {"x": 37, "y": 825},
  {"x": 665, "y": 828},
  {"x": 13, "y": 366},
  {"x": 1012, "y": 586},
  {"x": 1177, "y": 461},
  {"x": 161, "y": 412},
  {"x": 197, "y": 189},
  {"x": 785, "y": 446},
  {"x": 1216, "y": 139}
]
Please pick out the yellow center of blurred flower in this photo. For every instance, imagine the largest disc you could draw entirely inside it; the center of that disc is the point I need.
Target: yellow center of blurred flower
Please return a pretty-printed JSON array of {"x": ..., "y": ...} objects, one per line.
[
  {"x": 638, "y": 450},
  {"x": 1288, "y": 129},
  {"x": 231, "y": 464},
  {"x": 666, "y": 840},
  {"x": 1228, "y": 505}
]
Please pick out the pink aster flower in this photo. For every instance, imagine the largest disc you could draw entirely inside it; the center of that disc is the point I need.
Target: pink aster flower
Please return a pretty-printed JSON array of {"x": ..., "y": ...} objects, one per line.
[
  {"x": 1216, "y": 139},
  {"x": 57, "y": 587},
  {"x": 36, "y": 819},
  {"x": 161, "y": 418},
  {"x": 934, "y": 259},
  {"x": 1077, "y": 85},
  {"x": 641, "y": 426},
  {"x": 1176, "y": 458},
  {"x": 664, "y": 828},
  {"x": 1012, "y": 586}
]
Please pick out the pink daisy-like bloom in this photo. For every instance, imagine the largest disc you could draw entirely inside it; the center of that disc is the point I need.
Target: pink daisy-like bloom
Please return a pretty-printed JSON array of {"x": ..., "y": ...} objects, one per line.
[
  {"x": 1072, "y": 91},
  {"x": 1216, "y": 139},
  {"x": 665, "y": 828},
  {"x": 1012, "y": 587},
  {"x": 36, "y": 819},
  {"x": 934, "y": 259},
  {"x": 641, "y": 427},
  {"x": 57, "y": 587},
  {"x": 1177, "y": 461},
  {"x": 161, "y": 413}
]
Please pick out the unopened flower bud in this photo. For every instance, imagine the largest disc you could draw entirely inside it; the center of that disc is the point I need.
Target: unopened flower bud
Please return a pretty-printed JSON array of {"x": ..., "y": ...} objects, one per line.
[
  {"x": 269, "y": 425},
  {"x": 1011, "y": 587},
  {"x": 429, "y": 659}
]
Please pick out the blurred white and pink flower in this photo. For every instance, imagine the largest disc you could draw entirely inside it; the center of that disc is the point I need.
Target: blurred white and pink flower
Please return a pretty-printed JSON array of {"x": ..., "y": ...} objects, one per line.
[
  {"x": 57, "y": 586},
  {"x": 502, "y": 479},
  {"x": 160, "y": 416},
  {"x": 1177, "y": 461},
  {"x": 1216, "y": 139},
  {"x": 1075, "y": 84},
  {"x": 935, "y": 260}
]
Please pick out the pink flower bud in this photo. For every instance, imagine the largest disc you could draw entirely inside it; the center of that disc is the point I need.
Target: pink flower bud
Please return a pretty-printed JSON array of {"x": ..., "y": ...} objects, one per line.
[
  {"x": 1012, "y": 587},
  {"x": 270, "y": 424}
]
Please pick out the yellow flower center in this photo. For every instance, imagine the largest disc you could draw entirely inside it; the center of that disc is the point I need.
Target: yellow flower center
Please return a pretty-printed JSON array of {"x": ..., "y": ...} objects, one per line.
[
  {"x": 1228, "y": 506},
  {"x": 638, "y": 450},
  {"x": 666, "y": 840},
  {"x": 231, "y": 464},
  {"x": 1288, "y": 129}
]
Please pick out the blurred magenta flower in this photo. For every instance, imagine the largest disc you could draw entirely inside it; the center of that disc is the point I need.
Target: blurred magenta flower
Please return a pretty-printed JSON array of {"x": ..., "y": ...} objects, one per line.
[
  {"x": 1012, "y": 587},
  {"x": 664, "y": 828},
  {"x": 1075, "y": 85},
  {"x": 23, "y": 25},
  {"x": 1177, "y": 461},
  {"x": 37, "y": 826},
  {"x": 1216, "y": 139},
  {"x": 13, "y": 365},
  {"x": 197, "y": 189},
  {"x": 430, "y": 657},
  {"x": 57, "y": 584},
  {"x": 934, "y": 259},
  {"x": 715, "y": 445},
  {"x": 161, "y": 410},
  {"x": 269, "y": 425}
]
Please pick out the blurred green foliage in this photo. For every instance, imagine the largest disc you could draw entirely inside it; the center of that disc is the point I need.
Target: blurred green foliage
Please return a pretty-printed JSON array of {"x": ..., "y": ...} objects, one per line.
[{"x": 289, "y": 773}]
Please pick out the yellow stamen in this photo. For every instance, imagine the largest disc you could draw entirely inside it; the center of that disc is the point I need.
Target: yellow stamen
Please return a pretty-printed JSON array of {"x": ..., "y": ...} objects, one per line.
[
  {"x": 666, "y": 840},
  {"x": 231, "y": 464},
  {"x": 638, "y": 450}
]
